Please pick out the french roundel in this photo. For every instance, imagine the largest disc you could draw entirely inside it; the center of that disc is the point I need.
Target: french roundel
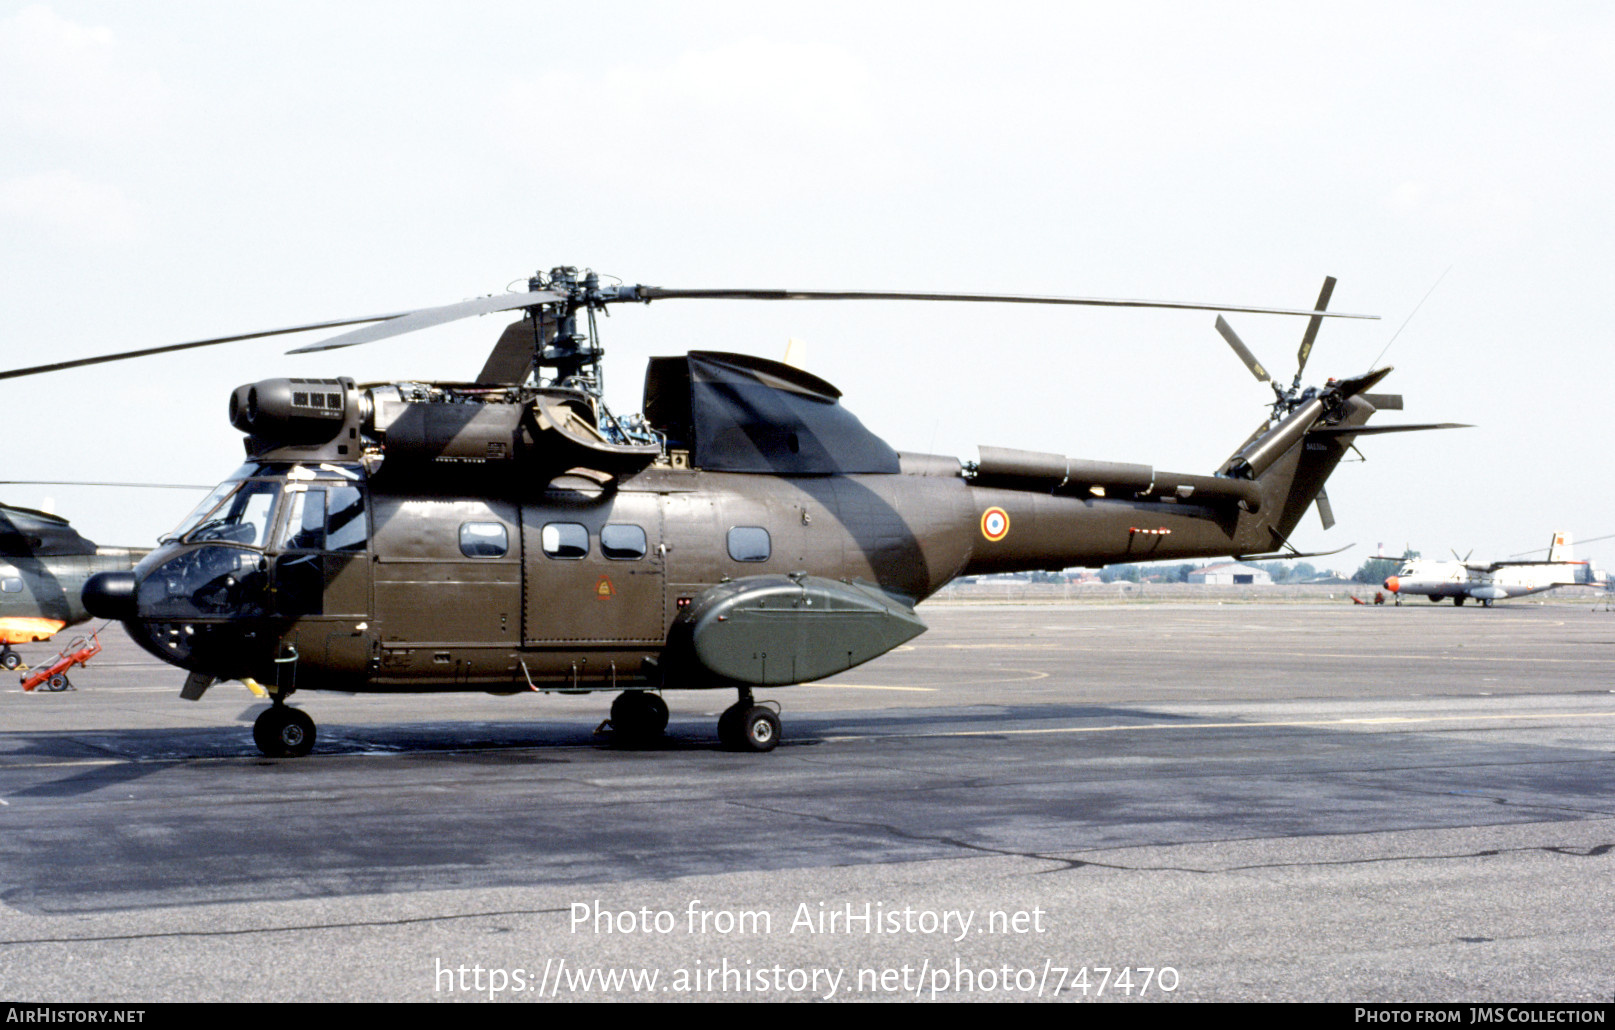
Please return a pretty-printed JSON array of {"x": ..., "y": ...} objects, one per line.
[{"x": 995, "y": 524}]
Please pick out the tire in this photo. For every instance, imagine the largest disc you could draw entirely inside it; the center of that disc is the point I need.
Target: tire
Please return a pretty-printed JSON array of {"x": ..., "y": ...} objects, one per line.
[
  {"x": 10, "y": 661},
  {"x": 282, "y": 732},
  {"x": 729, "y": 727},
  {"x": 759, "y": 729},
  {"x": 638, "y": 715},
  {"x": 57, "y": 682}
]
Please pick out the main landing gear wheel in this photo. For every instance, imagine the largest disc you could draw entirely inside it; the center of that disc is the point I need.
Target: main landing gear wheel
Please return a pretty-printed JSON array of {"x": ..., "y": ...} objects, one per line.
[
  {"x": 282, "y": 732},
  {"x": 638, "y": 716},
  {"x": 746, "y": 726},
  {"x": 10, "y": 660}
]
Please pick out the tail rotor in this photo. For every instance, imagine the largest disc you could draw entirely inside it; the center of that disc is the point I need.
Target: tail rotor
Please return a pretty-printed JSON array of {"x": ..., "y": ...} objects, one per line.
[{"x": 1288, "y": 399}]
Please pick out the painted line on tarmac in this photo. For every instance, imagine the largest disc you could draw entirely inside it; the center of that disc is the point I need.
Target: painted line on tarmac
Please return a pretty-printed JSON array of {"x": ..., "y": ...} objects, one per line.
[
  {"x": 1398, "y": 720},
  {"x": 1021, "y": 676},
  {"x": 1248, "y": 652},
  {"x": 871, "y": 686}
]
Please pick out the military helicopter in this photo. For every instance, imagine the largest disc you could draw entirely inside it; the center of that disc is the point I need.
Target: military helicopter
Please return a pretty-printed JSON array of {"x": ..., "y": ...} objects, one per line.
[
  {"x": 745, "y": 531},
  {"x": 44, "y": 564}
]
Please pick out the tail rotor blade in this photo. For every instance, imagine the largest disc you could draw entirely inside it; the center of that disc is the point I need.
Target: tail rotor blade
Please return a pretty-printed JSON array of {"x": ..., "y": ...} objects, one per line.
[
  {"x": 1326, "y": 511},
  {"x": 1243, "y": 351},
  {"x": 1312, "y": 327}
]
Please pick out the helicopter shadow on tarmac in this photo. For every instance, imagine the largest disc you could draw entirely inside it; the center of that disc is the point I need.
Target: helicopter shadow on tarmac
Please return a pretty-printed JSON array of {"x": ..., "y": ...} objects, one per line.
[{"x": 122, "y": 756}]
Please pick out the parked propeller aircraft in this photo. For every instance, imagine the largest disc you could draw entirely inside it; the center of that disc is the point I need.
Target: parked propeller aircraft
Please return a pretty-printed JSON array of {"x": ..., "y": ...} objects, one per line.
[{"x": 1486, "y": 582}]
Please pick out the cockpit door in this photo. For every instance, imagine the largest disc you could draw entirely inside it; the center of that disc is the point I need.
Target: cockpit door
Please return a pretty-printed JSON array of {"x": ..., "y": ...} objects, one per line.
[{"x": 322, "y": 574}]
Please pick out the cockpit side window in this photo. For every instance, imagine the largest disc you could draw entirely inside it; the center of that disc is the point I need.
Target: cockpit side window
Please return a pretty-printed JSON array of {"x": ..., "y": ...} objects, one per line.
[
  {"x": 328, "y": 517},
  {"x": 347, "y": 527},
  {"x": 305, "y": 520}
]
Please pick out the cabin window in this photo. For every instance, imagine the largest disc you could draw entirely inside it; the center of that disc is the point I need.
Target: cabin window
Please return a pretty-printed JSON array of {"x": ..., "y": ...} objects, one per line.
[
  {"x": 484, "y": 539},
  {"x": 623, "y": 542},
  {"x": 749, "y": 543},
  {"x": 11, "y": 585},
  {"x": 566, "y": 540}
]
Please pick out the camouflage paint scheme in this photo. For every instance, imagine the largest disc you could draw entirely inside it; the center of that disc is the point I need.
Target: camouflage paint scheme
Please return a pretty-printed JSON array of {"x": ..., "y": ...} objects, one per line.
[
  {"x": 44, "y": 564},
  {"x": 409, "y": 608}
]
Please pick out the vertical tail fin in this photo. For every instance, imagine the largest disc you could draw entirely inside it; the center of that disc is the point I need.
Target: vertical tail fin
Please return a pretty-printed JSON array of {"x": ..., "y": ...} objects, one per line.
[
  {"x": 1560, "y": 549},
  {"x": 1290, "y": 462}
]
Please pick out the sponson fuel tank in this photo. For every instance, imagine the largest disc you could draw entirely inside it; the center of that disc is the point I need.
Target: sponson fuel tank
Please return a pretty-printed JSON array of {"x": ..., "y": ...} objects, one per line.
[{"x": 775, "y": 630}]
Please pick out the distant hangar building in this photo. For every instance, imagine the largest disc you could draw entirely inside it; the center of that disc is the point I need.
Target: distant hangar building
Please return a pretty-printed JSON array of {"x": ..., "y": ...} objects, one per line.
[{"x": 1230, "y": 574}]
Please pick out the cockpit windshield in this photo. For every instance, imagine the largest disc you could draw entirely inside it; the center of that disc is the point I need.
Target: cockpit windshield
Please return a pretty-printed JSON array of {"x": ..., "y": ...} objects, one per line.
[
  {"x": 212, "y": 500},
  {"x": 237, "y": 512}
]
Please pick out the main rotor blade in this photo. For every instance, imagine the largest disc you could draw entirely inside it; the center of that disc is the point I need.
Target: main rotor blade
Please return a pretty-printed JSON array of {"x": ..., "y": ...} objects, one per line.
[
  {"x": 1243, "y": 351},
  {"x": 83, "y": 482},
  {"x": 61, "y": 366},
  {"x": 1312, "y": 327},
  {"x": 650, "y": 293},
  {"x": 425, "y": 318}
]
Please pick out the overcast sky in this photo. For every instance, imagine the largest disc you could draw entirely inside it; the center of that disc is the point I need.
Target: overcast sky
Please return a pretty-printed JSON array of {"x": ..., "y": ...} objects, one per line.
[{"x": 180, "y": 170}]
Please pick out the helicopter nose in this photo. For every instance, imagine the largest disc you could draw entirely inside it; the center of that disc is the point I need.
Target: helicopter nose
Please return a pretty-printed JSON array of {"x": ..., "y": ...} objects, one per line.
[
  {"x": 110, "y": 595},
  {"x": 1393, "y": 584}
]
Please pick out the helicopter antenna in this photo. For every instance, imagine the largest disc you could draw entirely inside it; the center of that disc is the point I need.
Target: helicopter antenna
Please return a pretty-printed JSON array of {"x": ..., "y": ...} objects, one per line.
[{"x": 1408, "y": 319}]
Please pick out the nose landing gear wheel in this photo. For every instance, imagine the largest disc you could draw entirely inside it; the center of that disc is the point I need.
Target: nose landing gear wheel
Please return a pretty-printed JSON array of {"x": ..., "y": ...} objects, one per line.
[
  {"x": 638, "y": 716},
  {"x": 282, "y": 732}
]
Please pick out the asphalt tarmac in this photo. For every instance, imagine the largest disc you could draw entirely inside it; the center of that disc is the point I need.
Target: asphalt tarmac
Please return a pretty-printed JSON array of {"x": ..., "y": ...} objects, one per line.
[{"x": 1158, "y": 802}]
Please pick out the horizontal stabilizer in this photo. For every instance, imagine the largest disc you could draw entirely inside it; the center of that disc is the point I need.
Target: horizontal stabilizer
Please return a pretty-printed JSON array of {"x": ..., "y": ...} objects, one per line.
[
  {"x": 1380, "y": 430},
  {"x": 1291, "y": 554}
]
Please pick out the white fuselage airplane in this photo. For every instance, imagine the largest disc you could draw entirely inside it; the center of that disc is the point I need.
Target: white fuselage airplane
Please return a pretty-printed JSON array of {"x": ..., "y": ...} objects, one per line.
[{"x": 1489, "y": 581}]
